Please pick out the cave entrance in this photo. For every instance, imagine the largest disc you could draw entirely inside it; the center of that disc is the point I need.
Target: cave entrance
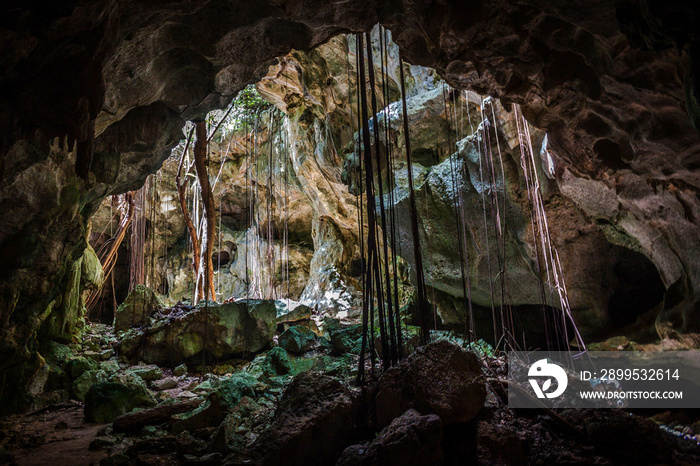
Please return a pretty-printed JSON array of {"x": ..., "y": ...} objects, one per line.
[
  {"x": 284, "y": 162},
  {"x": 638, "y": 288}
]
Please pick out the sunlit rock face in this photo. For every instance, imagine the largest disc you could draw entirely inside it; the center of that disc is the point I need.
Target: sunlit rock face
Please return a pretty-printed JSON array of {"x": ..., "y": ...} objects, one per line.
[{"x": 614, "y": 85}]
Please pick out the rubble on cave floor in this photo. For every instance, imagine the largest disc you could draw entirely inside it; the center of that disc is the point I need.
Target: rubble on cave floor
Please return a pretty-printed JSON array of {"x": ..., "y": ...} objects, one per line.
[{"x": 283, "y": 403}]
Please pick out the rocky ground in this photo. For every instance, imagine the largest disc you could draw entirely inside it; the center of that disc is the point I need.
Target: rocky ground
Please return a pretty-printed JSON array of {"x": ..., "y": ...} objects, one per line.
[{"x": 295, "y": 400}]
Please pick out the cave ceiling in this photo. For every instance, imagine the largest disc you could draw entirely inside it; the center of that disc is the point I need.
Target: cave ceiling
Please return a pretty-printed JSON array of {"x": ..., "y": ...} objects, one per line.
[{"x": 93, "y": 96}]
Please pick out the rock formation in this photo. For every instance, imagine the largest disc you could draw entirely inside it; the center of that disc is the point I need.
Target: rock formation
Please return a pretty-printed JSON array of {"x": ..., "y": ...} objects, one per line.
[{"x": 96, "y": 94}]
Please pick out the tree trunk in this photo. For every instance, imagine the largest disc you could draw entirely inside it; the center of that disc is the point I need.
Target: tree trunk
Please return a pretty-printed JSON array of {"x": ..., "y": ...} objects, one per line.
[
  {"x": 181, "y": 188},
  {"x": 205, "y": 274}
]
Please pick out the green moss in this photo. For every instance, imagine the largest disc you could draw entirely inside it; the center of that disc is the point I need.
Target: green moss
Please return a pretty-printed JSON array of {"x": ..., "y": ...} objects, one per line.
[
  {"x": 191, "y": 344},
  {"x": 107, "y": 400},
  {"x": 277, "y": 362}
]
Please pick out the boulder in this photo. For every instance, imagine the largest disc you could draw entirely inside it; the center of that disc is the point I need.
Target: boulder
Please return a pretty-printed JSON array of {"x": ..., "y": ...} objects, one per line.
[
  {"x": 165, "y": 384},
  {"x": 180, "y": 370},
  {"x": 79, "y": 365},
  {"x": 440, "y": 378},
  {"x": 212, "y": 412},
  {"x": 315, "y": 410},
  {"x": 297, "y": 339},
  {"x": 222, "y": 330},
  {"x": 239, "y": 421},
  {"x": 345, "y": 339},
  {"x": 107, "y": 400},
  {"x": 136, "y": 308},
  {"x": 409, "y": 439},
  {"x": 86, "y": 380},
  {"x": 147, "y": 373}
]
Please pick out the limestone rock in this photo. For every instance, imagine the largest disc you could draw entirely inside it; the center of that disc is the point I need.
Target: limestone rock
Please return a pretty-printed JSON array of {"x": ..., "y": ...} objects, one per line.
[
  {"x": 86, "y": 380},
  {"x": 291, "y": 311},
  {"x": 180, "y": 370},
  {"x": 107, "y": 400},
  {"x": 91, "y": 270},
  {"x": 345, "y": 339},
  {"x": 440, "y": 378},
  {"x": 297, "y": 339},
  {"x": 210, "y": 414},
  {"x": 79, "y": 365},
  {"x": 222, "y": 330},
  {"x": 165, "y": 384},
  {"x": 136, "y": 308},
  {"x": 409, "y": 439},
  {"x": 276, "y": 363},
  {"x": 312, "y": 406},
  {"x": 148, "y": 373}
]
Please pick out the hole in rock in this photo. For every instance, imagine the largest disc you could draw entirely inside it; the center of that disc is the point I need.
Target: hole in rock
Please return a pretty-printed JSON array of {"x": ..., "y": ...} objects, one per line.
[{"x": 637, "y": 288}]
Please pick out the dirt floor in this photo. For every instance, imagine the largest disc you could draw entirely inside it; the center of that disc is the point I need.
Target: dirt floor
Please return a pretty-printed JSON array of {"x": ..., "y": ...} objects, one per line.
[{"x": 54, "y": 437}]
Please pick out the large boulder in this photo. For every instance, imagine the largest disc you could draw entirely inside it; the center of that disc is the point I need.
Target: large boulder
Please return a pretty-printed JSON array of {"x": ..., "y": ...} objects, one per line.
[
  {"x": 136, "y": 308},
  {"x": 409, "y": 439},
  {"x": 107, "y": 400},
  {"x": 440, "y": 378},
  {"x": 315, "y": 410},
  {"x": 220, "y": 330}
]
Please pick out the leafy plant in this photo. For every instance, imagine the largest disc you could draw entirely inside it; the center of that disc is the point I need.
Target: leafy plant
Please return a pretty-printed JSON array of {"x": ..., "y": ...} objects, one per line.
[{"x": 245, "y": 108}]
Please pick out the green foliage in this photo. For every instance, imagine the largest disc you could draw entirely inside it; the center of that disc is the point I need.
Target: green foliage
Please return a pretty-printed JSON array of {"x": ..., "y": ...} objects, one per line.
[
  {"x": 481, "y": 348},
  {"x": 246, "y": 107}
]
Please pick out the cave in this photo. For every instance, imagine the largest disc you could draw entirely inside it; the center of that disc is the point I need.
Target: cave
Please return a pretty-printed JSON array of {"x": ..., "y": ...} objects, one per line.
[{"x": 317, "y": 233}]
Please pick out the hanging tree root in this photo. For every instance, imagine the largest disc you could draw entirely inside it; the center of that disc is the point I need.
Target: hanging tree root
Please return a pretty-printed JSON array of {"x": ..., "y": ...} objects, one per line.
[
  {"x": 108, "y": 252},
  {"x": 181, "y": 188}
]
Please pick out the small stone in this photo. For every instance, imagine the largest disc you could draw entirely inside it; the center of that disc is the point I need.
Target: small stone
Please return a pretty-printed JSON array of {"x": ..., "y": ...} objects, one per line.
[
  {"x": 94, "y": 355},
  {"x": 102, "y": 442},
  {"x": 148, "y": 373},
  {"x": 180, "y": 370},
  {"x": 110, "y": 366},
  {"x": 212, "y": 459},
  {"x": 165, "y": 384},
  {"x": 186, "y": 395},
  {"x": 105, "y": 430},
  {"x": 106, "y": 354}
]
